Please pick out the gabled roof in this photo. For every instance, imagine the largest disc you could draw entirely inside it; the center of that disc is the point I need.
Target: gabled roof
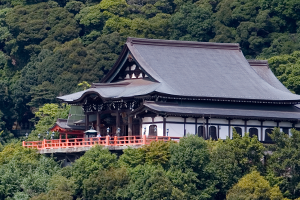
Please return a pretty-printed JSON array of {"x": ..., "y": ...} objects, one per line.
[
  {"x": 62, "y": 123},
  {"x": 193, "y": 69}
]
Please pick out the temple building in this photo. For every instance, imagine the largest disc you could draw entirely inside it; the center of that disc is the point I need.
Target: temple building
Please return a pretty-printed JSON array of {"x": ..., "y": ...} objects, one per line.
[{"x": 174, "y": 88}]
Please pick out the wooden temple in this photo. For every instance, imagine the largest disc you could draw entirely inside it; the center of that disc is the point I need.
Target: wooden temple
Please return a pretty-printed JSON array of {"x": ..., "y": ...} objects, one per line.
[{"x": 174, "y": 88}]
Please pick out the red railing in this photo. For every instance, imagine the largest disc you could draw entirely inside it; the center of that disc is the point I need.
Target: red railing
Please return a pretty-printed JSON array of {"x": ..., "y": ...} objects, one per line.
[{"x": 104, "y": 141}]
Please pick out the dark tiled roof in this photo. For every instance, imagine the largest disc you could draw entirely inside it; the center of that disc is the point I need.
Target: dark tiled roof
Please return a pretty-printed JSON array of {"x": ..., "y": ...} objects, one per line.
[
  {"x": 127, "y": 88},
  {"x": 203, "y": 70},
  {"x": 63, "y": 123},
  {"x": 261, "y": 67},
  {"x": 193, "y": 69},
  {"x": 288, "y": 112}
]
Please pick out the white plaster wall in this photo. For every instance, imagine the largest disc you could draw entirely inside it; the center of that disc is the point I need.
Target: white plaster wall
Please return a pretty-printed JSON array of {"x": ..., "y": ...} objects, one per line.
[
  {"x": 200, "y": 121},
  {"x": 223, "y": 132},
  {"x": 218, "y": 121},
  {"x": 147, "y": 128},
  {"x": 253, "y": 123},
  {"x": 190, "y": 119},
  {"x": 286, "y": 124},
  {"x": 297, "y": 125},
  {"x": 175, "y": 130},
  {"x": 160, "y": 129},
  {"x": 259, "y": 134},
  {"x": 158, "y": 119},
  {"x": 190, "y": 128},
  {"x": 147, "y": 119},
  {"x": 174, "y": 119},
  {"x": 270, "y": 123},
  {"x": 237, "y": 122}
]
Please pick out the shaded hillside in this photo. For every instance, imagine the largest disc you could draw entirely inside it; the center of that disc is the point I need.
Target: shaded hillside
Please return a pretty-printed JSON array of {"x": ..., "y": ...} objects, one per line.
[{"x": 48, "y": 47}]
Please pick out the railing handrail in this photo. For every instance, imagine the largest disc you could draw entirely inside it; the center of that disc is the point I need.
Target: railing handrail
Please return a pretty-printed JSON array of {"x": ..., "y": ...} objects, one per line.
[{"x": 104, "y": 141}]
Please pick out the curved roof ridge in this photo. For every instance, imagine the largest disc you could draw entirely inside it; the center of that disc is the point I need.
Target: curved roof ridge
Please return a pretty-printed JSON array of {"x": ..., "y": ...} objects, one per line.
[{"x": 177, "y": 43}]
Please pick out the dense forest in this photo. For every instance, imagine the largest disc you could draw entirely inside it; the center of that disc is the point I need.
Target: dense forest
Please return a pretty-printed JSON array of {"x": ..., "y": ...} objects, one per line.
[{"x": 49, "y": 47}]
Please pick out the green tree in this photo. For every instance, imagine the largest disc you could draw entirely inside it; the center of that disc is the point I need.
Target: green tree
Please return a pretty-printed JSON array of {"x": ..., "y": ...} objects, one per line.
[
  {"x": 233, "y": 158},
  {"x": 47, "y": 116},
  {"x": 24, "y": 172},
  {"x": 254, "y": 186},
  {"x": 98, "y": 158},
  {"x": 287, "y": 69},
  {"x": 191, "y": 157},
  {"x": 284, "y": 162},
  {"x": 193, "y": 22},
  {"x": 106, "y": 184}
]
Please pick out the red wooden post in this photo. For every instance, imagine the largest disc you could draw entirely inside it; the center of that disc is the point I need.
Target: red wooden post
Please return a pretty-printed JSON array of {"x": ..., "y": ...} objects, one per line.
[
  {"x": 23, "y": 143},
  {"x": 115, "y": 140},
  {"x": 144, "y": 139},
  {"x": 107, "y": 140}
]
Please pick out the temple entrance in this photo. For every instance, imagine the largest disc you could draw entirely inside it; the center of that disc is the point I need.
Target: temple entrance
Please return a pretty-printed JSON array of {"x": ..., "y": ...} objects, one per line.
[{"x": 109, "y": 125}]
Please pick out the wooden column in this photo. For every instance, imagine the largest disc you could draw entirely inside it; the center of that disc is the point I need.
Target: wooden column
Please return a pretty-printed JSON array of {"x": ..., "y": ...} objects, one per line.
[
  {"x": 261, "y": 130},
  {"x": 229, "y": 127},
  {"x": 207, "y": 130},
  {"x": 196, "y": 124},
  {"x": 245, "y": 120},
  {"x": 98, "y": 122},
  {"x": 87, "y": 121},
  {"x": 277, "y": 124},
  {"x": 164, "y": 126},
  {"x": 117, "y": 123},
  {"x": 129, "y": 125},
  {"x": 184, "y": 130}
]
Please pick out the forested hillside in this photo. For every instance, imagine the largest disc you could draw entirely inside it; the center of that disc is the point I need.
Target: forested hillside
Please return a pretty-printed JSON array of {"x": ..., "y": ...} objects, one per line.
[
  {"x": 48, "y": 47},
  {"x": 193, "y": 169}
]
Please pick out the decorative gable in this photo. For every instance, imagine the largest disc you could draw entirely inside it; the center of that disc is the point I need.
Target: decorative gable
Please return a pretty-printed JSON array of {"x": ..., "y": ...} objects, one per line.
[{"x": 130, "y": 69}]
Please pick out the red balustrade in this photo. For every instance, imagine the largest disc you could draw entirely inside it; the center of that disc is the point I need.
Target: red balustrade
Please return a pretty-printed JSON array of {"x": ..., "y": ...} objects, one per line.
[{"x": 104, "y": 141}]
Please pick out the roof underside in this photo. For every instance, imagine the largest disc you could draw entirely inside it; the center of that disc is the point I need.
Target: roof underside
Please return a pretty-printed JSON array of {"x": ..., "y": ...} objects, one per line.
[{"x": 245, "y": 111}]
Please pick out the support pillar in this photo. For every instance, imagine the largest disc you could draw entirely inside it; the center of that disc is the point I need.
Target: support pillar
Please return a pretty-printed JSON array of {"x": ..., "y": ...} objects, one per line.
[
  {"x": 129, "y": 125},
  {"x": 87, "y": 121},
  {"x": 207, "y": 136},
  {"x": 261, "y": 130},
  {"x": 98, "y": 123},
  {"x": 118, "y": 123},
  {"x": 184, "y": 129},
  {"x": 229, "y": 128},
  {"x": 196, "y": 124},
  {"x": 245, "y": 121},
  {"x": 164, "y": 126}
]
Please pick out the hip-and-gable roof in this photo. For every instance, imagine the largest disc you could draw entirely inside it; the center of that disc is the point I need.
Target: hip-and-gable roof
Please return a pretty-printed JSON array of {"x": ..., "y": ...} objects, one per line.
[{"x": 191, "y": 69}]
